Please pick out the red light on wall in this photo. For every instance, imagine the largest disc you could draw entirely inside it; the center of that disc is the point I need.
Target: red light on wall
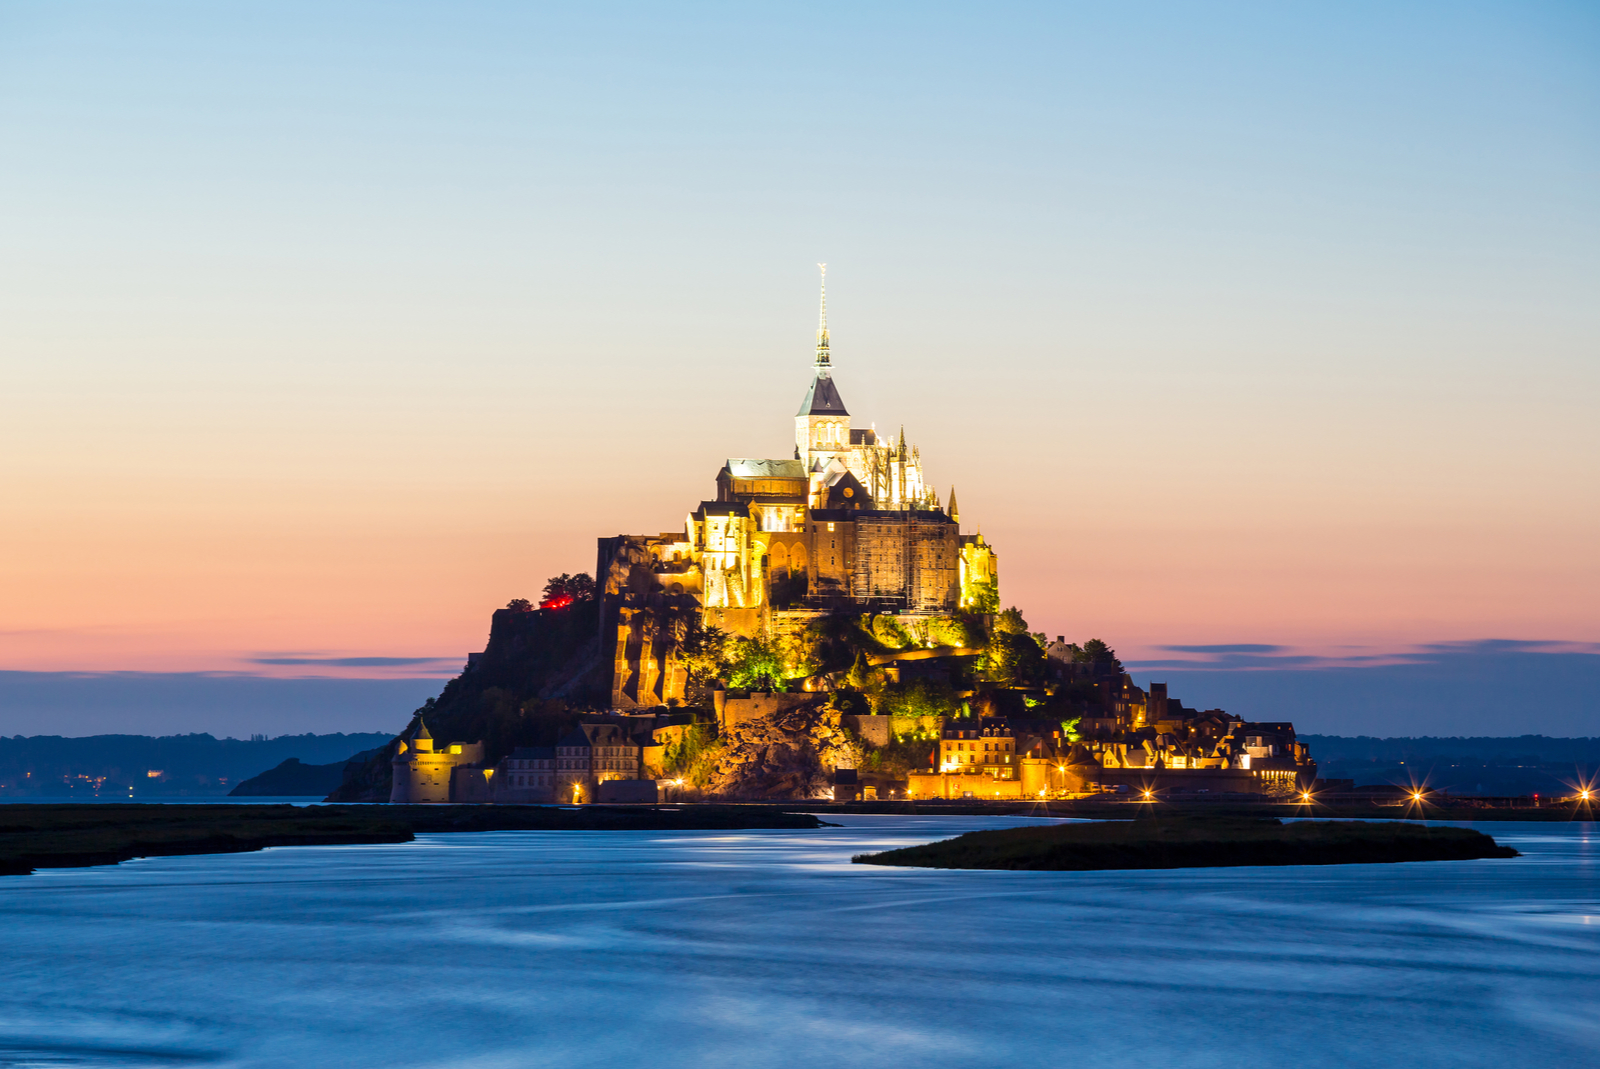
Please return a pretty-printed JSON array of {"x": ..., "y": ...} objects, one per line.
[{"x": 560, "y": 601}]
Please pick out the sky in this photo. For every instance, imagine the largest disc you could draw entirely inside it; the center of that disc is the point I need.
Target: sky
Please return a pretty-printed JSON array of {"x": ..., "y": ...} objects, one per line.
[{"x": 326, "y": 329}]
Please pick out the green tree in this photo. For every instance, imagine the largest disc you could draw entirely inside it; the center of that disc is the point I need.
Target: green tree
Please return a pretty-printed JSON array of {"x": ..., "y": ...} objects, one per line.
[
  {"x": 755, "y": 664},
  {"x": 955, "y": 631},
  {"x": 567, "y": 590},
  {"x": 1013, "y": 656},
  {"x": 702, "y": 650},
  {"x": 863, "y": 676},
  {"x": 693, "y": 756},
  {"x": 1102, "y": 656},
  {"x": 887, "y": 630},
  {"x": 918, "y": 698}
]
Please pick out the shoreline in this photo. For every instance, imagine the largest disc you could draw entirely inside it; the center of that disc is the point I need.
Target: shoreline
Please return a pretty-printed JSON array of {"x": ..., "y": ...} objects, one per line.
[{"x": 82, "y": 834}]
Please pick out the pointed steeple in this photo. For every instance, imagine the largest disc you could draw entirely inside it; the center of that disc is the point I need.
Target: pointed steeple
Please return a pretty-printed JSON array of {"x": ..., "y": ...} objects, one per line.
[
  {"x": 901, "y": 448},
  {"x": 823, "y": 399},
  {"x": 822, "y": 321},
  {"x": 953, "y": 511}
]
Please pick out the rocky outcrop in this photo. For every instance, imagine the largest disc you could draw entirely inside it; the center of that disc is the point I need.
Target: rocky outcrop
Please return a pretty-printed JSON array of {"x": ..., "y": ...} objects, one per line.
[
  {"x": 539, "y": 672},
  {"x": 790, "y": 754}
]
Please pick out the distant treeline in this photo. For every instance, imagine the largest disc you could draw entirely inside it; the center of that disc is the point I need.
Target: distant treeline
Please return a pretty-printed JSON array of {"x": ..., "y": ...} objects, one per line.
[
  {"x": 1505, "y": 767},
  {"x": 134, "y": 765},
  {"x": 1534, "y": 747}
]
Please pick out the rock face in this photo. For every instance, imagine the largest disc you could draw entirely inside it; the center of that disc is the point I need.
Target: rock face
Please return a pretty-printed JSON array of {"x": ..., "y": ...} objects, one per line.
[
  {"x": 540, "y": 669},
  {"x": 788, "y": 755}
]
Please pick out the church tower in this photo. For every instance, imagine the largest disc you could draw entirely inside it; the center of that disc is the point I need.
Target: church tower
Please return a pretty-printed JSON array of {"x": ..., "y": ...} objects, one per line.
[{"x": 822, "y": 426}]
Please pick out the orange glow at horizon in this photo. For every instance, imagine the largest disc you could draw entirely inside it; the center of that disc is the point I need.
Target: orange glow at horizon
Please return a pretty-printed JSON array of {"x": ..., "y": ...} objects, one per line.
[{"x": 119, "y": 555}]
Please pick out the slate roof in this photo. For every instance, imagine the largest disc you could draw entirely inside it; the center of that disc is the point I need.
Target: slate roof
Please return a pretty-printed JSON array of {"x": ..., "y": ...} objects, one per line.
[
  {"x": 576, "y": 737},
  {"x": 756, "y": 468},
  {"x": 721, "y": 508},
  {"x": 822, "y": 399}
]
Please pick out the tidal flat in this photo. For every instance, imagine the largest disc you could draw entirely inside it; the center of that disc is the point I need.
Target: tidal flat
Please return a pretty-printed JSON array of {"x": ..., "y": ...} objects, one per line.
[
  {"x": 74, "y": 835},
  {"x": 1160, "y": 841},
  {"x": 768, "y": 949}
]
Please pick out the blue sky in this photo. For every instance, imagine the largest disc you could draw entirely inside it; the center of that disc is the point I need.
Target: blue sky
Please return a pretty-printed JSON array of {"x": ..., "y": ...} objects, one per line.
[{"x": 325, "y": 329}]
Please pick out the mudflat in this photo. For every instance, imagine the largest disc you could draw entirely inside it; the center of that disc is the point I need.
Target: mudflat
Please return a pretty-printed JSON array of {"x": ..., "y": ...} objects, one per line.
[
  {"x": 1194, "y": 842},
  {"x": 76, "y": 835}
]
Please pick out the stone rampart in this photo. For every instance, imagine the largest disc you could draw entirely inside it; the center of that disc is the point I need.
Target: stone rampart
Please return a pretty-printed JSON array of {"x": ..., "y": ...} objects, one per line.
[
  {"x": 641, "y": 791},
  {"x": 872, "y": 730},
  {"x": 758, "y": 705}
]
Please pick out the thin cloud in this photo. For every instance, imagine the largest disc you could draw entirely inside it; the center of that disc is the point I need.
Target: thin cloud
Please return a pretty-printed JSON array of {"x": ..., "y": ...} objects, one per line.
[
  {"x": 1236, "y": 647},
  {"x": 356, "y": 662},
  {"x": 1495, "y": 646}
]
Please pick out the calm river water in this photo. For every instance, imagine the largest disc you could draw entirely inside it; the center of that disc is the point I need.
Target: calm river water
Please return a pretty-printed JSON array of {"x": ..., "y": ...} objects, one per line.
[{"x": 760, "y": 949}]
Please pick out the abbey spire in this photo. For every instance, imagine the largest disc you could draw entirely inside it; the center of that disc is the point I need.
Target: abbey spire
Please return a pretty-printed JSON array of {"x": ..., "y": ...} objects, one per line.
[
  {"x": 822, "y": 399},
  {"x": 822, "y": 426},
  {"x": 822, "y": 323}
]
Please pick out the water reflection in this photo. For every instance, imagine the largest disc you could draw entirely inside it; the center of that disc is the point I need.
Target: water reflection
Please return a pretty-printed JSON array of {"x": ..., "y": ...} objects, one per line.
[{"x": 763, "y": 949}]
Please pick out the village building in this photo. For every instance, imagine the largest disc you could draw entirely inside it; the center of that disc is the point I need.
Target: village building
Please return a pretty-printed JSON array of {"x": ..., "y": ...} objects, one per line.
[
  {"x": 527, "y": 774},
  {"x": 601, "y": 761}
]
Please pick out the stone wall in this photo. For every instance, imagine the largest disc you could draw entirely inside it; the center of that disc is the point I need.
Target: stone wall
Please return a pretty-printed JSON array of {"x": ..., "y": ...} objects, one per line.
[
  {"x": 872, "y": 730},
  {"x": 639, "y": 791},
  {"x": 758, "y": 705},
  {"x": 982, "y": 788}
]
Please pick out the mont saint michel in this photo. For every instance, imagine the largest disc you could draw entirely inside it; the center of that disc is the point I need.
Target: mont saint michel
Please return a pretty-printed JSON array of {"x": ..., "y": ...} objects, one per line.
[{"x": 824, "y": 627}]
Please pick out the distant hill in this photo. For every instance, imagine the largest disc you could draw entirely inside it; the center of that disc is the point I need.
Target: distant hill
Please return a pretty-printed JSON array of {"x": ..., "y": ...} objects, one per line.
[
  {"x": 293, "y": 778},
  {"x": 130, "y": 766},
  {"x": 1504, "y": 767}
]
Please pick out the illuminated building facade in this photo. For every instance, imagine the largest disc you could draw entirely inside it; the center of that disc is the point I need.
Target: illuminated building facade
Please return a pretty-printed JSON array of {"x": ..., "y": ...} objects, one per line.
[
  {"x": 423, "y": 773},
  {"x": 980, "y": 747},
  {"x": 592, "y": 754},
  {"x": 1127, "y": 740},
  {"x": 849, "y": 521}
]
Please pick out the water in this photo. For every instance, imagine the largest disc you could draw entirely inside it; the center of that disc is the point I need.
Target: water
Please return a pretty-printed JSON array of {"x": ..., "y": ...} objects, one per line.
[{"x": 768, "y": 949}]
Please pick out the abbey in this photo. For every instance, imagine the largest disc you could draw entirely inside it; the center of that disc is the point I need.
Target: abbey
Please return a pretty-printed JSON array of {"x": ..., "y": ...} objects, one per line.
[{"x": 848, "y": 522}]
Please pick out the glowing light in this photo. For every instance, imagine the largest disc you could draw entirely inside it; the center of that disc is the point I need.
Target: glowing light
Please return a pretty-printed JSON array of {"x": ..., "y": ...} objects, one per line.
[
  {"x": 560, "y": 601},
  {"x": 1416, "y": 796},
  {"x": 1147, "y": 794},
  {"x": 1584, "y": 795},
  {"x": 1305, "y": 796}
]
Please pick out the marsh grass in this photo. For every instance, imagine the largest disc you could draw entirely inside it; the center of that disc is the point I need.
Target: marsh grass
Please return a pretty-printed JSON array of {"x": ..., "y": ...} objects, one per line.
[{"x": 1195, "y": 842}]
